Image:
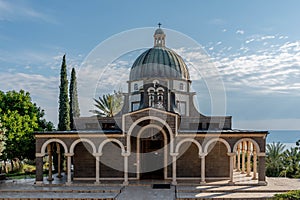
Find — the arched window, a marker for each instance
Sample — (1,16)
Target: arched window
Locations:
(160,98)
(181,86)
(151,97)
(136,87)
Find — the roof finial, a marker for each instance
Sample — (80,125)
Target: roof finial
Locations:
(159,24)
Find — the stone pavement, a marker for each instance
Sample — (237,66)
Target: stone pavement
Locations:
(25,189)
(217,190)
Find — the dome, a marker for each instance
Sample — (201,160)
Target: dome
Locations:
(159,62)
(159,31)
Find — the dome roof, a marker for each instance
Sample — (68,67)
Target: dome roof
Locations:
(159,62)
(159,31)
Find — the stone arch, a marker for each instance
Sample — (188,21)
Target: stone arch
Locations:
(150,118)
(151,126)
(217,140)
(111,140)
(189,140)
(43,149)
(246,139)
(73,145)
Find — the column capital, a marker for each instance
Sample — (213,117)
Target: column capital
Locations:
(202,155)
(39,154)
(261,154)
(69,154)
(97,154)
(125,154)
(231,154)
(174,154)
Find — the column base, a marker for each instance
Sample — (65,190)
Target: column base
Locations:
(243,173)
(50,179)
(125,182)
(230,183)
(59,176)
(97,183)
(263,183)
(248,175)
(254,179)
(203,183)
(174,183)
(69,183)
(38,182)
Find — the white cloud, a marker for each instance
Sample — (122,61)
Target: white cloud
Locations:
(248,41)
(241,32)
(267,37)
(94,81)
(18,10)
(269,68)
(43,90)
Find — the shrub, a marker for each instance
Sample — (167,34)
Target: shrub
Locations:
(293,194)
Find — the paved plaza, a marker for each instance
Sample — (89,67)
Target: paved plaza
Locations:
(25,189)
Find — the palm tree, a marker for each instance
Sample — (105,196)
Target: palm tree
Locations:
(274,160)
(291,163)
(108,105)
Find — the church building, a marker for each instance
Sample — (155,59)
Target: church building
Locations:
(159,134)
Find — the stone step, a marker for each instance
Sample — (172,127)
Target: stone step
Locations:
(230,191)
(55,195)
(224,196)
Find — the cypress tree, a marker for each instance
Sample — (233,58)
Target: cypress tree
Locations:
(64,109)
(74,105)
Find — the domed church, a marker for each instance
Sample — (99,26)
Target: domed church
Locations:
(158,135)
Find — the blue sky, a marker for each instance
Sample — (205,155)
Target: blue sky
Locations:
(254,44)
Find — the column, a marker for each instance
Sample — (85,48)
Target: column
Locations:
(97,159)
(234,162)
(239,157)
(243,157)
(125,154)
(261,168)
(69,157)
(254,164)
(174,176)
(39,168)
(58,160)
(231,156)
(202,156)
(49,149)
(248,159)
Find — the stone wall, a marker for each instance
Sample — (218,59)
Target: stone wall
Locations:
(84,162)
(112,162)
(188,162)
(217,161)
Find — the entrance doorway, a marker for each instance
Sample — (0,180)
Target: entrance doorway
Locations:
(152,155)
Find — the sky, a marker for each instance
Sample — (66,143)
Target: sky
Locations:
(254,45)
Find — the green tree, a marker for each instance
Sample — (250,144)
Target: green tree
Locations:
(108,105)
(2,139)
(274,159)
(291,163)
(20,118)
(64,107)
(74,105)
